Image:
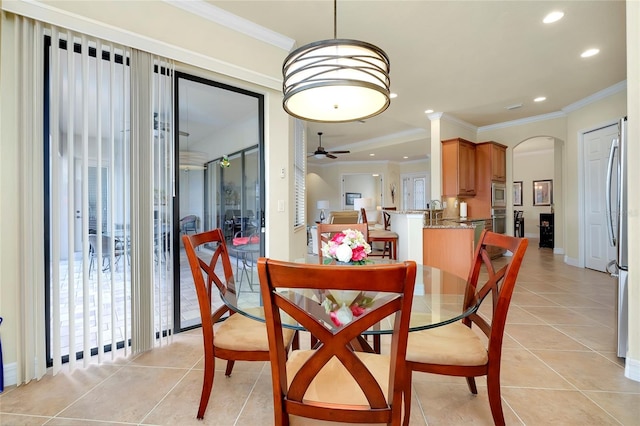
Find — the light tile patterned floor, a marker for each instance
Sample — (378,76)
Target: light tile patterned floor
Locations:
(559,367)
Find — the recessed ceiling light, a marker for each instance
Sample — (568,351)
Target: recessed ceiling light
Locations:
(393,95)
(589,52)
(540,99)
(553,17)
(405,157)
(372,155)
(429,111)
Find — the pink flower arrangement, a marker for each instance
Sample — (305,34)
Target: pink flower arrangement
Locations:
(343,307)
(348,246)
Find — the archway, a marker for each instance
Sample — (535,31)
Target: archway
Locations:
(537,166)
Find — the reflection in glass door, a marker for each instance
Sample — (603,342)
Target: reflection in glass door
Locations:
(216,121)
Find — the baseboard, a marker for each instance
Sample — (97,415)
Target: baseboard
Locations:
(632,369)
(10,372)
(558,250)
(572,262)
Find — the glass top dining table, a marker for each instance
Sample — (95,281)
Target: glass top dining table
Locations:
(438,299)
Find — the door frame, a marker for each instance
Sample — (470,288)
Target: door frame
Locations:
(582,222)
(176,241)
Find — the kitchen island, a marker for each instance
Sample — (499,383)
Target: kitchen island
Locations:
(449,246)
(411,226)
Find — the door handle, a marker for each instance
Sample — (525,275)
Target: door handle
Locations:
(609,215)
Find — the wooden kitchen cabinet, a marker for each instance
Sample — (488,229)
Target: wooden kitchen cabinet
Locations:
(499,162)
(491,161)
(458,168)
(491,167)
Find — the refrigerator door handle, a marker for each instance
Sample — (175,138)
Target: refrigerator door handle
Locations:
(612,151)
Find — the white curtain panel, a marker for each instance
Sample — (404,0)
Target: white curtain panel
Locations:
(28,104)
(109,197)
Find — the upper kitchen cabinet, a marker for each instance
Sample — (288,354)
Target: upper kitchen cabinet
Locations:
(458,168)
(491,161)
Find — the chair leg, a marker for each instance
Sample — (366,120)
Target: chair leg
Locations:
(407,399)
(471,382)
(230,364)
(495,400)
(209,369)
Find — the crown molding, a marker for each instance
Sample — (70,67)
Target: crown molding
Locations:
(393,138)
(604,93)
(233,22)
(48,13)
(520,122)
(452,119)
(612,90)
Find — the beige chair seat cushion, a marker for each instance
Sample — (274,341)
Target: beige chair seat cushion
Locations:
(240,333)
(344,216)
(452,344)
(381,233)
(334,384)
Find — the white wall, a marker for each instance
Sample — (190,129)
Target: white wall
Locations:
(530,166)
(633,114)
(323,182)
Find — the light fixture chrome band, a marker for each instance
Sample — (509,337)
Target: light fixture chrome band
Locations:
(337,80)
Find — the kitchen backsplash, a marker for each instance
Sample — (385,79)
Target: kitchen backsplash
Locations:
(453,207)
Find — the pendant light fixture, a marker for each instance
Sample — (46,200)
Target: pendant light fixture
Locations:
(337,80)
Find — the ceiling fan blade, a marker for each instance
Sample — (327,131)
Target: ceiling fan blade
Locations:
(340,152)
(331,156)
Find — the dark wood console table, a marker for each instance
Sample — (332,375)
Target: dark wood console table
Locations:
(546,230)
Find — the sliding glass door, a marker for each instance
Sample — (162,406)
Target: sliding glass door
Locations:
(220,176)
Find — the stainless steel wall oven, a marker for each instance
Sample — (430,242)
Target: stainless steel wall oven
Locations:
(499,219)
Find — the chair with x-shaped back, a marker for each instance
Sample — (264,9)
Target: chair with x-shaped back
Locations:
(334,381)
(457,350)
(237,338)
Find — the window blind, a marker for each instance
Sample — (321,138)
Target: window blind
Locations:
(300,173)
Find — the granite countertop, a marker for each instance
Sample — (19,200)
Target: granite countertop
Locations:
(406,211)
(448,224)
(466,219)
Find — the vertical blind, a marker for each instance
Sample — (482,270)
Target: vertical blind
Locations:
(105,194)
(300,172)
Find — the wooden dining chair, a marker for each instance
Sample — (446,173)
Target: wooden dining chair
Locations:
(457,350)
(334,382)
(327,230)
(237,338)
(388,238)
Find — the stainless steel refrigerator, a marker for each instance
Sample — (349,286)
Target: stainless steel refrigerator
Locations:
(616,193)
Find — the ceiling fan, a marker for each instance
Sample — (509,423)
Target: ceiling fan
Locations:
(321,152)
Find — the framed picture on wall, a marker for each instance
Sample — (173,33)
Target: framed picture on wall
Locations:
(542,192)
(350,196)
(517,193)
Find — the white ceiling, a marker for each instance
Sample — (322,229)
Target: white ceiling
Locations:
(467,59)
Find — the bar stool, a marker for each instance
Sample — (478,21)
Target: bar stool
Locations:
(518,223)
(389,238)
